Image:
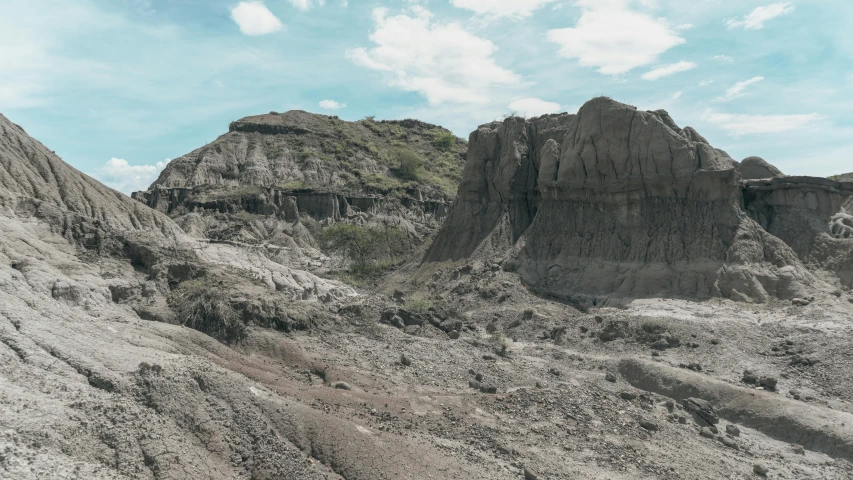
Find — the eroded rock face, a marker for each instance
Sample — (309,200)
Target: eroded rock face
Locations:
(752,168)
(286,166)
(618,202)
(35,182)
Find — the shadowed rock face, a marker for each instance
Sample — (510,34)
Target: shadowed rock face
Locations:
(618,202)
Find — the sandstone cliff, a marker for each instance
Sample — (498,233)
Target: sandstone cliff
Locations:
(616,202)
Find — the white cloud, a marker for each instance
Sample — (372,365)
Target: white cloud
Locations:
(441,61)
(614,38)
(331,105)
(741,124)
(668,70)
(676,95)
(737,89)
(533,107)
(254,19)
(723,58)
(307,4)
(705,83)
(684,26)
(756,18)
(117,173)
(501,8)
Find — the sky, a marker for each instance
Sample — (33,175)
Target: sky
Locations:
(119,87)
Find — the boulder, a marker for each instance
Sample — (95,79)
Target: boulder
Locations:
(702,411)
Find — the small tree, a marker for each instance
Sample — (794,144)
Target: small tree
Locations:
(411,165)
(444,140)
(364,247)
(356,243)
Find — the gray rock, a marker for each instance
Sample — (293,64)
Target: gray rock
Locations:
(751,168)
(728,442)
(648,425)
(529,475)
(491,389)
(760,469)
(610,377)
(567,172)
(702,411)
(732,430)
(342,386)
(769,383)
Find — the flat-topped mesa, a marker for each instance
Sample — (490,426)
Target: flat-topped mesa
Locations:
(282,166)
(615,202)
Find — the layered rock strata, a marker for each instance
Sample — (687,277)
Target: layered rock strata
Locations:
(617,202)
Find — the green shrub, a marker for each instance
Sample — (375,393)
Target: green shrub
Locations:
(410,165)
(444,140)
(417,305)
(364,247)
(201,307)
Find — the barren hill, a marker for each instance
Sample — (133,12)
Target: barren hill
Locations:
(205,338)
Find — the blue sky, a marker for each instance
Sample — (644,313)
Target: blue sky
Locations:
(118,87)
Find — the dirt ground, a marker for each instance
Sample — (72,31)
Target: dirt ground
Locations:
(531,388)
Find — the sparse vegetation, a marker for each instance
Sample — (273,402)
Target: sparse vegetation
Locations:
(500,344)
(410,165)
(366,248)
(291,185)
(418,305)
(201,306)
(444,140)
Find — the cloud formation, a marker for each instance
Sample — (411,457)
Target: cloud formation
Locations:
(756,18)
(614,38)
(331,105)
(668,70)
(533,107)
(441,61)
(255,19)
(305,5)
(740,124)
(737,89)
(501,8)
(117,173)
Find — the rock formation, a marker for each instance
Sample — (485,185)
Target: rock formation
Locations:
(616,202)
(296,164)
(752,168)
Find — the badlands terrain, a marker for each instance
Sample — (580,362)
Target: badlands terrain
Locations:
(599,295)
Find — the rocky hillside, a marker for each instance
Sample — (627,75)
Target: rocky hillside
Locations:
(614,202)
(34,181)
(254,183)
(132,350)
